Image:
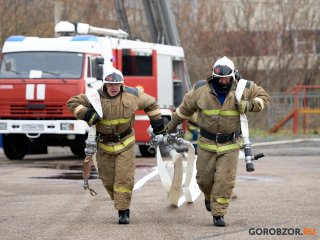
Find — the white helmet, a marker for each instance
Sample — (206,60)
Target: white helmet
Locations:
(113,75)
(223,67)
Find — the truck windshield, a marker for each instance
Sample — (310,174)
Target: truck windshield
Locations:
(41,65)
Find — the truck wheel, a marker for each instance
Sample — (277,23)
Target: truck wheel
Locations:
(78,151)
(144,151)
(15,146)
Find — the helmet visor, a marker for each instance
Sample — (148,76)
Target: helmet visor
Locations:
(222,71)
(113,78)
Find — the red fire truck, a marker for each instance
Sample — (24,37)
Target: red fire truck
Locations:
(38,75)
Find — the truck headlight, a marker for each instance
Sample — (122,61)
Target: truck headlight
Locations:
(3,126)
(67,126)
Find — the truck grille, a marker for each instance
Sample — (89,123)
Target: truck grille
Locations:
(48,110)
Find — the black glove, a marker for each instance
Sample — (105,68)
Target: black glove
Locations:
(158,126)
(237,75)
(91,116)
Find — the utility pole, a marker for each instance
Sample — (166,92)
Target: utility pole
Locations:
(57,13)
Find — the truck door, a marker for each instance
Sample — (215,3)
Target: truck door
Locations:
(139,70)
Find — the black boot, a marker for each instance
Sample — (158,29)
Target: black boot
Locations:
(124,216)
(219,221)
(207,203)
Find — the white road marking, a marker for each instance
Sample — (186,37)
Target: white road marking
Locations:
(139,184)
(286,141)
(145,179)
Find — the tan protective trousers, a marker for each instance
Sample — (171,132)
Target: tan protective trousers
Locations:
(117,175)
(216,174)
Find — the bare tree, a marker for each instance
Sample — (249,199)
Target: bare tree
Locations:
(273,42)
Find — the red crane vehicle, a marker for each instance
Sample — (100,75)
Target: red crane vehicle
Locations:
(38,75)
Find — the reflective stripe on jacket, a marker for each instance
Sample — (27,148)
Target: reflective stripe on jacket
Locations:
(118,114)
(216,118)
(117,147)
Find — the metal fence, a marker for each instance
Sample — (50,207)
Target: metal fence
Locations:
(282,104)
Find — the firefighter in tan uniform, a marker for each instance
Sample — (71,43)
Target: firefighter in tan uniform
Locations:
(115,136)
(220,138)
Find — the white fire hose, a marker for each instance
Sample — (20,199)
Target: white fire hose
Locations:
(91,145)
(179,188)
(245,130)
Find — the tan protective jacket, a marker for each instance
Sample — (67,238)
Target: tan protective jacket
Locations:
(118,114)
(216,118)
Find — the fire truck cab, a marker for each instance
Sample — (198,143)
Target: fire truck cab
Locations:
(38,75)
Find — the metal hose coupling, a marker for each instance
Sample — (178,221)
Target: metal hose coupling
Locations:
(176,138)
(249,157)
(91,147)
(91,144)
(167,140)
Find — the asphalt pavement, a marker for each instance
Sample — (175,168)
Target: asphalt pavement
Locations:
(42,197)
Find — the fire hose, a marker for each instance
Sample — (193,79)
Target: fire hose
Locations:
(90,150)
(91,144)
(249,157)
(182,186)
